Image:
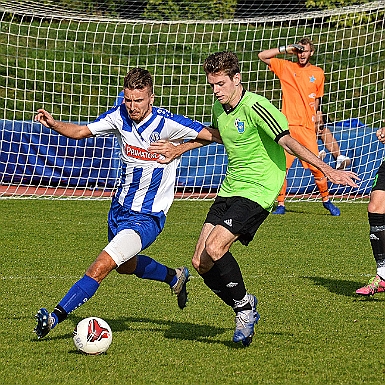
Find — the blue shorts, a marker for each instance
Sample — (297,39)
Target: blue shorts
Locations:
(146,225)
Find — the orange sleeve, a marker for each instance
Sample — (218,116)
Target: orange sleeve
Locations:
(301,86)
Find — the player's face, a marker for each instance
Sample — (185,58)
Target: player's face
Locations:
(304,56)
(138,103)
(226,90)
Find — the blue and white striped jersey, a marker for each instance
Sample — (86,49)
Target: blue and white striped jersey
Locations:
(146,186)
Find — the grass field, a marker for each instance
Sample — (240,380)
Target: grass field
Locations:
(304,268)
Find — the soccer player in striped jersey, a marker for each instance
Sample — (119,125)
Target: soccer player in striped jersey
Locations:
(255,135)
(144,195)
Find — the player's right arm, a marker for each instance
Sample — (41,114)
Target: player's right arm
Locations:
(380,133)
(70,130)
(268,54)
(170,151)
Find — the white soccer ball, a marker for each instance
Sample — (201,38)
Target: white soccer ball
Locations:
(92,335)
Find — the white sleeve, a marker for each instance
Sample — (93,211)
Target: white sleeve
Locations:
(186,129)
(106,123)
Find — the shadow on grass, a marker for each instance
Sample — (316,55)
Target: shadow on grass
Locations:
(169,329)
(174,330)
(341,287)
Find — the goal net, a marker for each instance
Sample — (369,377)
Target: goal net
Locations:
(70,57)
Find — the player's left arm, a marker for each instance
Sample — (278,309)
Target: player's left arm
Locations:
(317,104)
(208,135)
(335,176)
(319,121)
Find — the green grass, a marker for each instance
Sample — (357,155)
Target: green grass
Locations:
(304,268)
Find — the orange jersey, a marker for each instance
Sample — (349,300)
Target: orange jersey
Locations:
(301,86)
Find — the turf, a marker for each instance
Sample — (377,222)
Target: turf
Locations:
(304,268)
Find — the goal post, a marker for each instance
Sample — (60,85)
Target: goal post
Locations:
(73,63)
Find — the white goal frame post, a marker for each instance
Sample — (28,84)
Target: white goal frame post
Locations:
(73,66)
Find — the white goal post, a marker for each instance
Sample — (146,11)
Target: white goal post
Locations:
(73,65)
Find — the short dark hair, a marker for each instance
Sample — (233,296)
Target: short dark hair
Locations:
(226,62)
(138,78)
(305,41)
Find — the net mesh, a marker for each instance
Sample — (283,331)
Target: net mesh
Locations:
(71,57)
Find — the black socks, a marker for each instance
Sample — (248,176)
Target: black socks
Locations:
(225,279)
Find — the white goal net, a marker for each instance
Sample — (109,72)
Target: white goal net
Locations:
(70,57)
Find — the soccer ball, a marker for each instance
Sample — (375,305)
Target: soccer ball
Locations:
(92,335)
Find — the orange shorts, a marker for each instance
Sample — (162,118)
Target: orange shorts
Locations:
(308,138)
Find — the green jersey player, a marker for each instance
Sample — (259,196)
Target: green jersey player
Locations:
(245,131)
(254,134)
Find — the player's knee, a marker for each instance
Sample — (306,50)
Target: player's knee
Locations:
(196,264)
(102,266)
(127,267)
(214,251)
(124,246)
(202,262)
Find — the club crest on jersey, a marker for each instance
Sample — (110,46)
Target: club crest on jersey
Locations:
(240,126)
(155,136)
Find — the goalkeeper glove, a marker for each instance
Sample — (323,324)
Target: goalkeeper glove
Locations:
(291,48)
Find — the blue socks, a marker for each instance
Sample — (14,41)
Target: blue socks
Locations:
(148,268)
(78,294)
(85,288)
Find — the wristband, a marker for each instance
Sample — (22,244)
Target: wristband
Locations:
(282,49)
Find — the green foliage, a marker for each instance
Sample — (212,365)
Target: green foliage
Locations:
(357,19)
(351,19)
(189,10)
(304,270)
(331,4)
(93,7)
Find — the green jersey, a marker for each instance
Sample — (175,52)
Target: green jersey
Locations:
(256,162)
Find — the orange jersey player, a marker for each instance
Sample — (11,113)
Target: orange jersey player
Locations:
(302,86)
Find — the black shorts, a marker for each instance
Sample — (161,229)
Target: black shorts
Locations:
(379,179)
(240,216)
